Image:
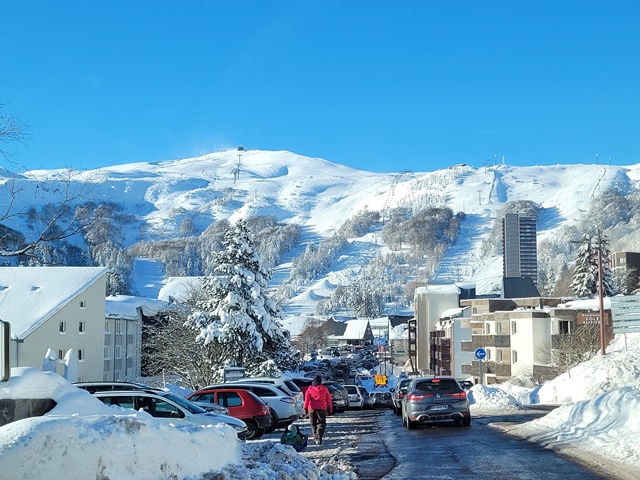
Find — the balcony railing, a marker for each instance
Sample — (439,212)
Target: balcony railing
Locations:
(482,341)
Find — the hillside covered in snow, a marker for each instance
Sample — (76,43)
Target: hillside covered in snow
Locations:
(156,200)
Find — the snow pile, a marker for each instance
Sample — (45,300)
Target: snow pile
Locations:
(83,438)
(602,401)
(605,425)
(488,399)
(620,367)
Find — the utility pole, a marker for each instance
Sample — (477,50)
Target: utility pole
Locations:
(603,339)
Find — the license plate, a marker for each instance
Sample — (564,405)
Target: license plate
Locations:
(439,407)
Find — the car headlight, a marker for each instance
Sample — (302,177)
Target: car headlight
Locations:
(237,428)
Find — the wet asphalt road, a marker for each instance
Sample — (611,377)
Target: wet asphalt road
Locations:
(446,451)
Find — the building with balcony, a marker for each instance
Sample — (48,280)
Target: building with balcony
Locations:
(527,336)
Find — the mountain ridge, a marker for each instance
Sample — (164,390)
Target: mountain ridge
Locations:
(320,195)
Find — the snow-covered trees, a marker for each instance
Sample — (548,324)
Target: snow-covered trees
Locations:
(238,316)
(585,272)
(168,347)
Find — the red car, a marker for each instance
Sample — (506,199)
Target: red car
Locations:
(242,404)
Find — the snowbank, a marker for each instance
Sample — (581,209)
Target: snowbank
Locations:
(605,425)
(488,399)
(83,438)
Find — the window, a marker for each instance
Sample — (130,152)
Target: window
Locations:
(498,328)
(107,327)
(204,397)
(229,399)
(514,328)
(487,329)
(488,357)
(81,326)
(62,327)
(118,327)
(81,355)
(514,356)
(159,408)
(106,352)
(83,304)
(118,351)
(499,355)
(60,355)
(263,392)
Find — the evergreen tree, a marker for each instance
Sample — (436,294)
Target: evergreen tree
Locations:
(585,273)
(238,315)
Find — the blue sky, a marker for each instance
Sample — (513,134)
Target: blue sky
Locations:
(381,86)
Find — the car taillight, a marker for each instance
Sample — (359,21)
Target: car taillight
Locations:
(266,410)
(414,396)
(457,395)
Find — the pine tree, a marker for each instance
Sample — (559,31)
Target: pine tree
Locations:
(238,314)
(585,273)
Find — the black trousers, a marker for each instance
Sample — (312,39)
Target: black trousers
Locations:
(318,420)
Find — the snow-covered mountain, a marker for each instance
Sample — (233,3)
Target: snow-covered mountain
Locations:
(320,195)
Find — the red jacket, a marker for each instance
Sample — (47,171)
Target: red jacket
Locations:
(318,398)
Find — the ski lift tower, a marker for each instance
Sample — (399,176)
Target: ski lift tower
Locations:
(236,171)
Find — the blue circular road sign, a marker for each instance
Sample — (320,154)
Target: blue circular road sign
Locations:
(480,353)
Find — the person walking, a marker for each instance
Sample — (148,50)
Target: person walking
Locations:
(317,404)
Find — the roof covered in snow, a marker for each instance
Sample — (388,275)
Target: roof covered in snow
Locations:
(29,296)
(439,289)
(126,307)
(177,288)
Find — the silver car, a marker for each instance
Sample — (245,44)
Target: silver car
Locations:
(169,407)
(432,399)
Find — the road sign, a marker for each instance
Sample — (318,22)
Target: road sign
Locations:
(625,312)
(380,380)
(480,353)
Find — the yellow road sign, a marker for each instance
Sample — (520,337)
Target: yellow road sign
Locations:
(381,379)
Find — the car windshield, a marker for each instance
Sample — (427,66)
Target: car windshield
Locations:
(186,404)
(436,385)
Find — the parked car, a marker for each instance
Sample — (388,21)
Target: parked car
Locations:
(381,400)
(337,400)
(93,387)
(101,386)
(303,384)
(397,394)
(242,404)
(283,383)
(355,398)
(339,373)
(173,409)
(367,401)
(430,399)
(343,391)
(284,408)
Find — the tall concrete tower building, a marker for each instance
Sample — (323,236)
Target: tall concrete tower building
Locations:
(520,255)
